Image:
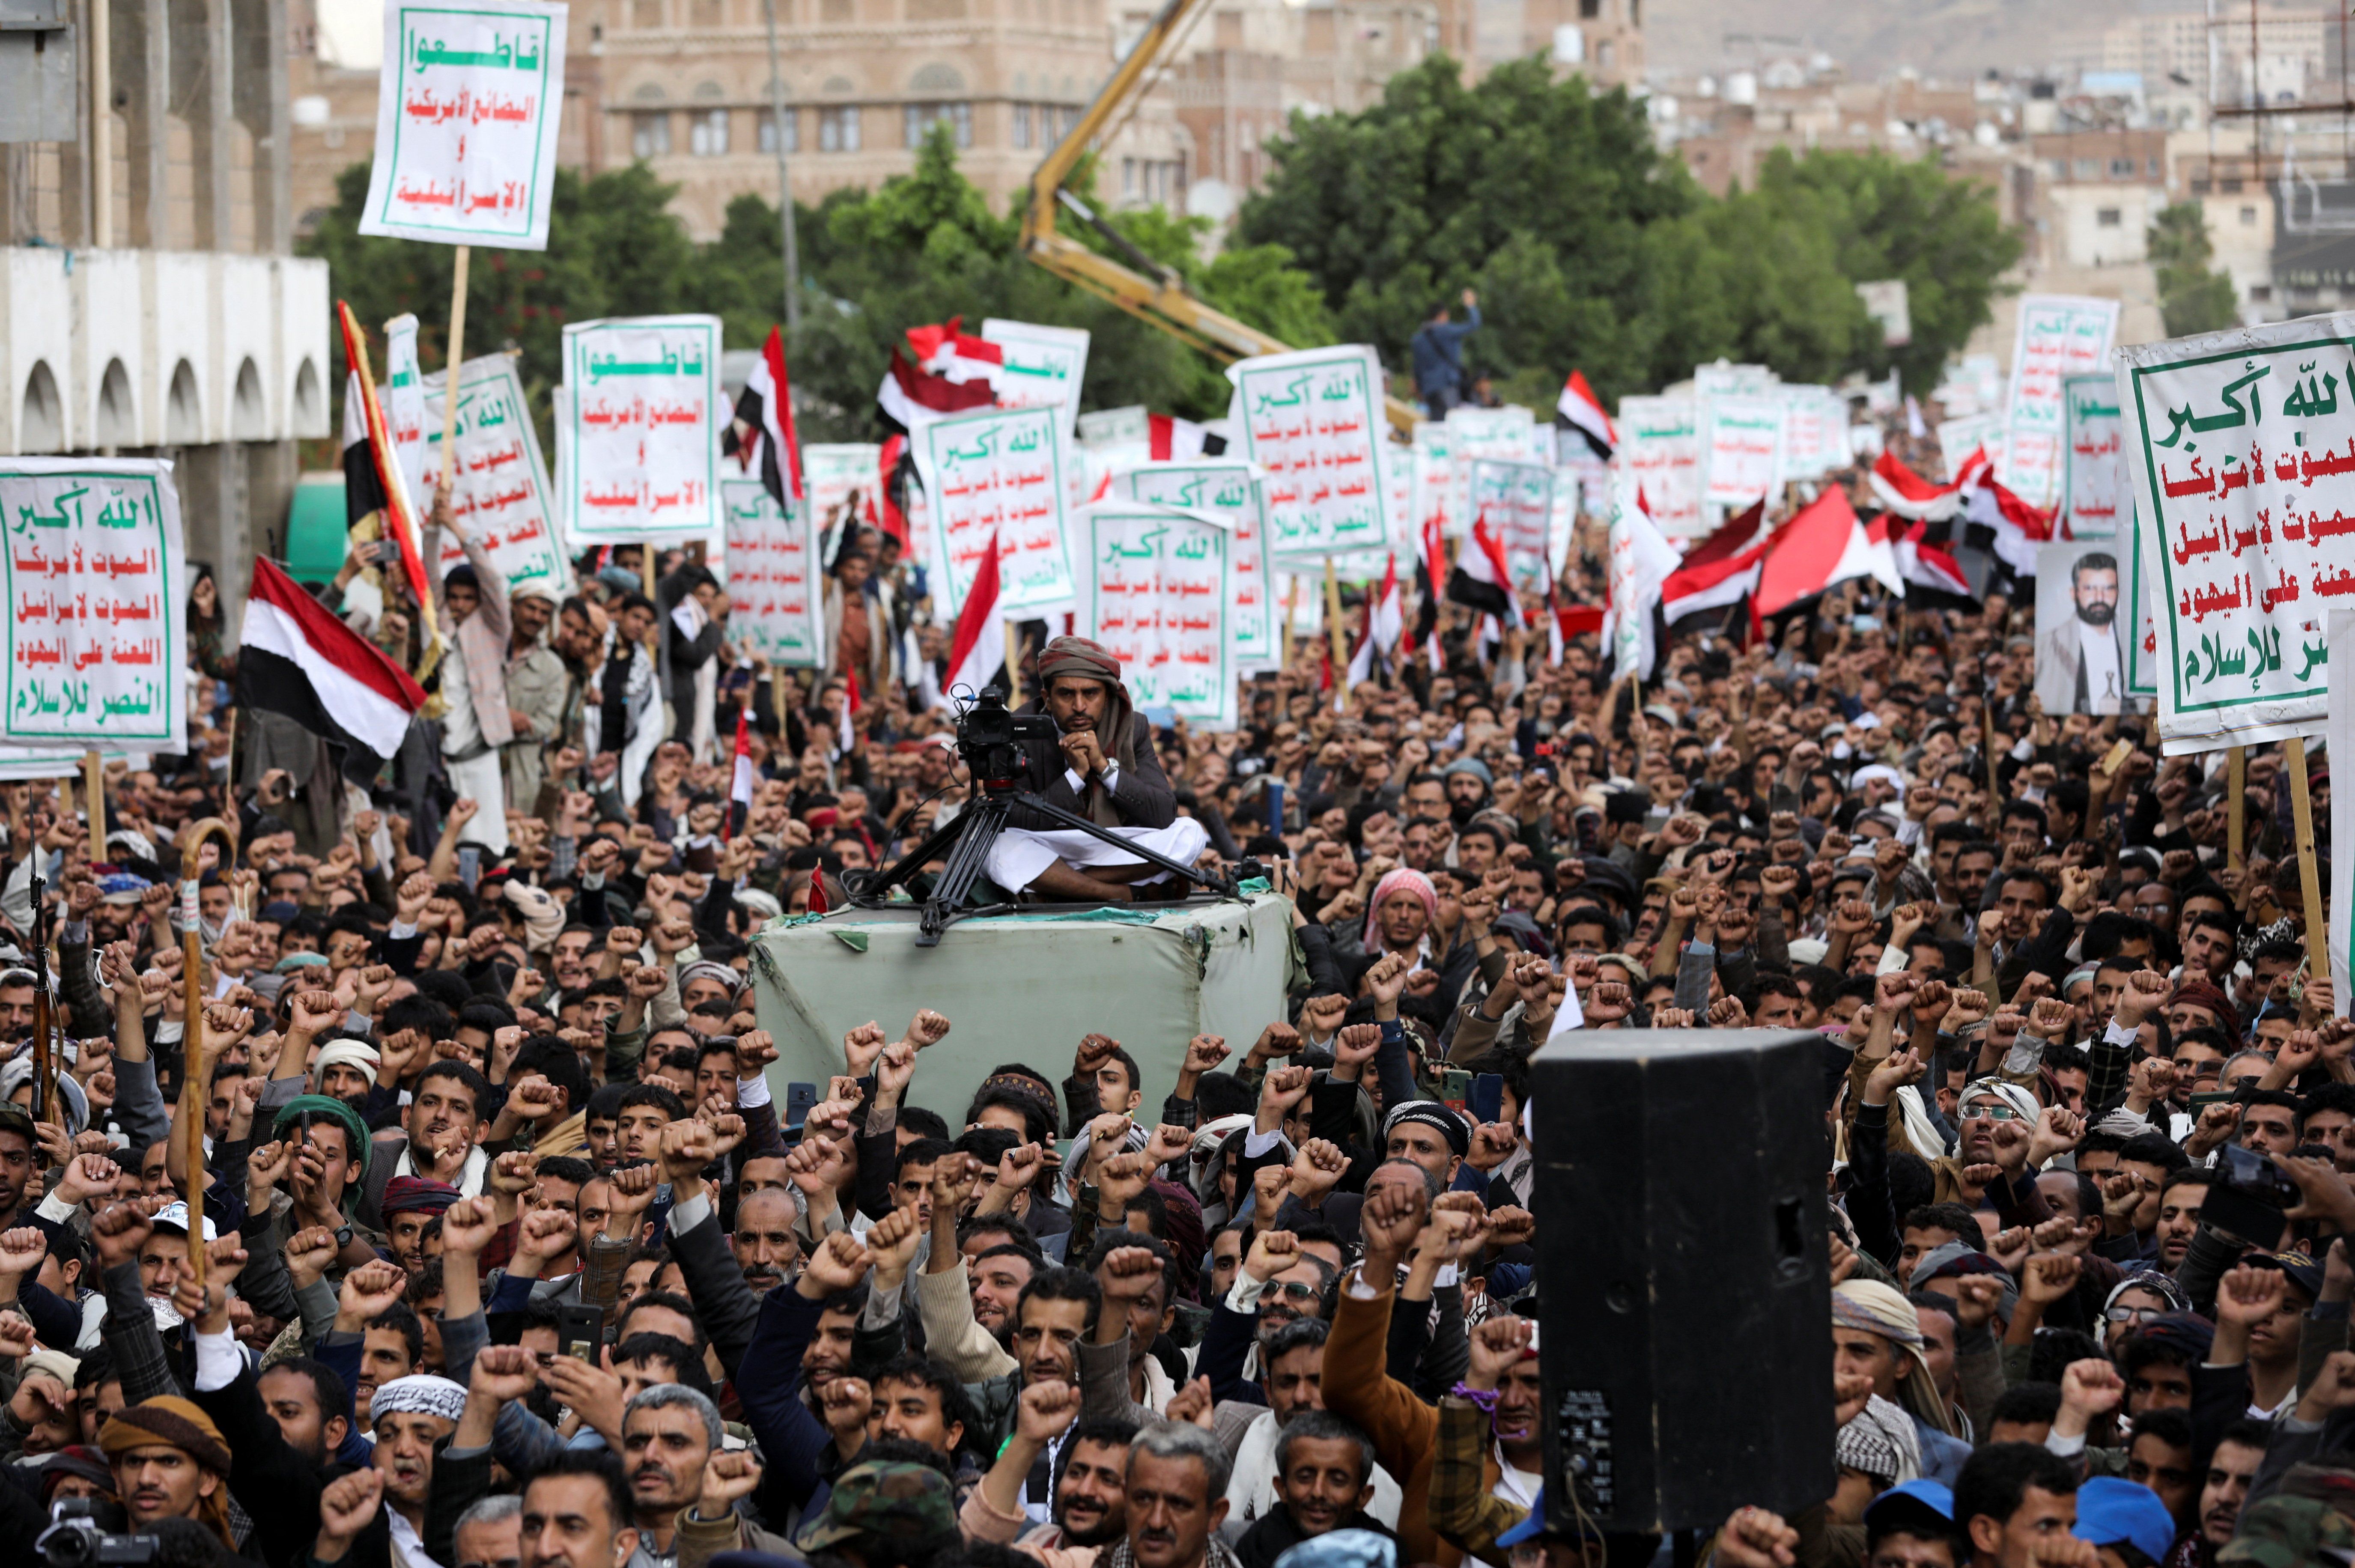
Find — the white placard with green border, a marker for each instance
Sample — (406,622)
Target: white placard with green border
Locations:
(97,650)
(637,438)
(1516,500)
(2093,490)
(2241,445)
(773,576)
(1153,591)
(1043,365)
(1312,421)
(2058,336)
(2338,624)
(997,474)
(1741,447)
(499,492)
(1234,492)
(466,123)
(1659,441)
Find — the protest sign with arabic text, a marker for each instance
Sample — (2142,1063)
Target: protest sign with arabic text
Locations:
(2240,446)
(998,474)
(773,576)
(1153,591)
(499,492)
(1042,367)
(97,650)
(2093,488)
(2058,336)
(1516,499)
(1659,442)
(1741,447)
(1232,491)
(1312,421)
(467,121)
(637,441)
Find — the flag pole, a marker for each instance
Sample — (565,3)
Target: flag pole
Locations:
(93,774)
(2317,952)
(455,357)
(2236,777)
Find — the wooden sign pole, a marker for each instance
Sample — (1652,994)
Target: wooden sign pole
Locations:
(456,358)
(193,1087)
(2310,880)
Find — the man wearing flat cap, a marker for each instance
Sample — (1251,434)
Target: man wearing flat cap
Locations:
(1102,768)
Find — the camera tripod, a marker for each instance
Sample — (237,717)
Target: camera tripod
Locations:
(967,840)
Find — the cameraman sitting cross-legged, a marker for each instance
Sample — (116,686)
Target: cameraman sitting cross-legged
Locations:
(1102,768)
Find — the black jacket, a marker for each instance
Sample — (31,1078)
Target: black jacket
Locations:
(1142,795)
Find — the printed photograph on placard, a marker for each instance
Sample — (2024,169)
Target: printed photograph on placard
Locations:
(2082,629)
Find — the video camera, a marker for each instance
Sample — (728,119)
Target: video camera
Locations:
(989,736)
(79,1538)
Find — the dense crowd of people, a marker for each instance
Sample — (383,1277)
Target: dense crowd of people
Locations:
(509,1258)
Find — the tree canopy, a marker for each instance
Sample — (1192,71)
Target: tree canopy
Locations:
(2192,296)
(1590,248)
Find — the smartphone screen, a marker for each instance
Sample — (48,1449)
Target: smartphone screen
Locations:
(470,866)
(1487,1101)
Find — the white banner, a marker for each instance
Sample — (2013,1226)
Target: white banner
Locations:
(1659,442)
(1434,494)
(2142,650)
(402,397)
(997,473)
(2338,624)
(637,438)
(1154,593)
(2058,336)
(1043,366)
(1236,494)
(1959,438)
(830,472)
(1517,499)
(2240,445)
(2092,492)
(1312,421)
(98,650)
(773,576)
(465,123)
(1742,446)
(499,491)
(1507,434)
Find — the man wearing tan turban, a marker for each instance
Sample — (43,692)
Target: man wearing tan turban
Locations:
(1103,767)
(170,1462)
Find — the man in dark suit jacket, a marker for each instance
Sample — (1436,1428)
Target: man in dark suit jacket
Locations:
(1104,768)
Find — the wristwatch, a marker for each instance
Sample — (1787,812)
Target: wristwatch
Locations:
(342,1236)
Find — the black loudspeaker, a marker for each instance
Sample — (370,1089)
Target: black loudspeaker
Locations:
(1683,1275)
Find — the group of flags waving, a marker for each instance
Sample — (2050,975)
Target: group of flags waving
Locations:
(1766,569)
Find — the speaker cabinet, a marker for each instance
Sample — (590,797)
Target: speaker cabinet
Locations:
(1683,1275)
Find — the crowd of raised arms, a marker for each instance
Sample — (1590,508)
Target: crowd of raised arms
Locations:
(510,1257)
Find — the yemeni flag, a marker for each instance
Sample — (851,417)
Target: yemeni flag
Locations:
(1824,545)
(1932,577)
(762,430)
(300,661)
(889,515)
(911,398)
(373,482)
(1580,410)
(1385,624)
(977,651)
(1908,495)
(947,352)
(1721,569)
(2005,524)
(740,778)
(1480,579)
(1427,579)
(850,706)
(1640,563)
(1175,439)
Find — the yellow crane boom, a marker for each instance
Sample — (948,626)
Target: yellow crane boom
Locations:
(1160,300)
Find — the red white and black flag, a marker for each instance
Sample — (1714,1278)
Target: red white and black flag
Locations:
(762,431)
(1580,410)
(977,650)
(1480,579)
(740,779)
(299,660)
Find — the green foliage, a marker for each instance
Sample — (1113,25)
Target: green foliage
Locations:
(2192,297)
(1590,248)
